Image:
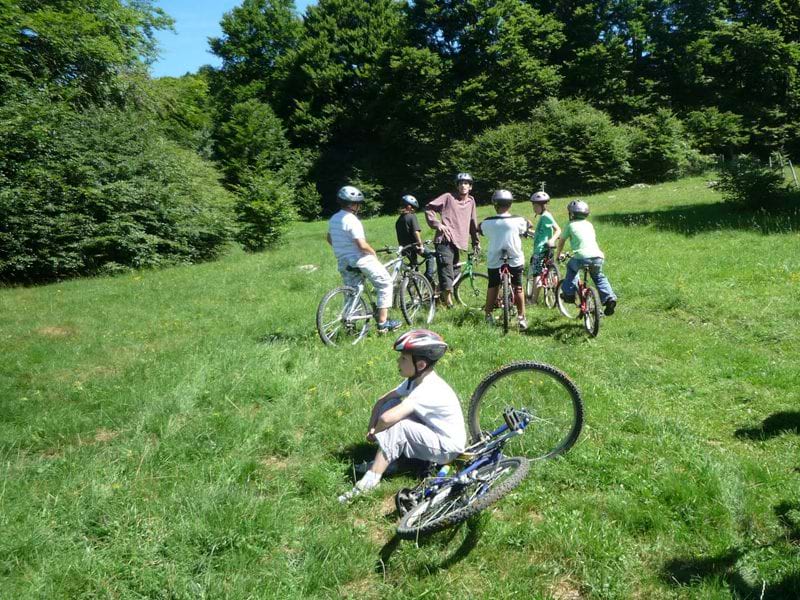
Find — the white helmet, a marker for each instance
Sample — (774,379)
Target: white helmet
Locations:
(464,177)
(349,195)
(541,197)
(578,207)
(502,197)
(409,200)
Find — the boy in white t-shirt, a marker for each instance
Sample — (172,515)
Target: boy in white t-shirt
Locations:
(346,237)
(504,231)
(421,418)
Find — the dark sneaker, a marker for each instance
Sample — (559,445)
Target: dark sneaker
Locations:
(568,299)
(388,325)
(610,306)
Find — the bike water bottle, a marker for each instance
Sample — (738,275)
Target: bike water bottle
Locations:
(443,471)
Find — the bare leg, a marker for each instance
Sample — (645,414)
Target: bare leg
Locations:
(383,314)
(380,464)
(519,300)
(491,300)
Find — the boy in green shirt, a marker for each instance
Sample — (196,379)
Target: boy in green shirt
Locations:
(585,253)
(544,238)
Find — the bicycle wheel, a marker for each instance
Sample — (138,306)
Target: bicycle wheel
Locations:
(548,394)
(470,290)
(530,283)
(416,299)
(460,501)
(591,318)
(568,309)
(341,318)
(505,289)
(550,289)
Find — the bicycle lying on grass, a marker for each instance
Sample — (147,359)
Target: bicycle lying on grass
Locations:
(587,301)
(344,313)
(552,419)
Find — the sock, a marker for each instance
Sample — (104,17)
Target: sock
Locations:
(370,480)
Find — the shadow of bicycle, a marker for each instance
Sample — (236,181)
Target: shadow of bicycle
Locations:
(774,425)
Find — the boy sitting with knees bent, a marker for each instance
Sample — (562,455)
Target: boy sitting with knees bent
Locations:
(419,419)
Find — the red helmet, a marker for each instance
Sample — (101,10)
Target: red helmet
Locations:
(422,343)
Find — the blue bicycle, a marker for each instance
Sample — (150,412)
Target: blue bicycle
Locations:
(484,474)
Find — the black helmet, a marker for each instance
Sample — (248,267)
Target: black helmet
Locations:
(349,195)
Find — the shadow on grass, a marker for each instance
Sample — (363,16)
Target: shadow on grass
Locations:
(774,425)
(563,330)
(438,543)
(692,571)
(284,337)
(693,219)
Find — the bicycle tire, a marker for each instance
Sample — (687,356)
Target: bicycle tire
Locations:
(504,289)
(549,395)
(470,290)
(331,325)
(550,289)
(416,299)
(464,500)
(591,318)
(568,309)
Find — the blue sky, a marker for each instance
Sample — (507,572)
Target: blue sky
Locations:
(195,21)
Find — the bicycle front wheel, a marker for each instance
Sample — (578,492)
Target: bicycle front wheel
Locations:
(550,290)
(591,318)
(459,501)
(470,290)
(342,317)
(568,309)
(416,299)
(546,392)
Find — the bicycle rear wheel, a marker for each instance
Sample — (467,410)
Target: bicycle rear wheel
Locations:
(548,394)
(342,318)
(591,318)
(416,299)
(505,290)
(459,501)
(470,290)
(550,289)
(568,309)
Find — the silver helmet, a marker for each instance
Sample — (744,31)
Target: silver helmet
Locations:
(541,197)
(409,200)
(349,195)
(464,177)
(578,207)
(502,197)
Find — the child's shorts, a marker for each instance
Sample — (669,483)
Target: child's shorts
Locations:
(516,276)
(537,260)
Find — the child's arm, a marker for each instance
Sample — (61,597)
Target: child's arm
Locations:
(378,409)
(556,233)
(560,246)
(392,416)
(365,247)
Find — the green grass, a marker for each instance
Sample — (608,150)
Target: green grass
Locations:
(184,433)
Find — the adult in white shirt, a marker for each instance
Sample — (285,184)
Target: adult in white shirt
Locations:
(421,418)
(349,242)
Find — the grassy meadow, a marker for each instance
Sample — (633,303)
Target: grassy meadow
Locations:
(184,433)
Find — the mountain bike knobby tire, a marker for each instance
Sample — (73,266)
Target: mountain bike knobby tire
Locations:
(551,397)
(470,291)
(591,318)
(332,326)
(505,289)
(417,302)
(459,502)
(550,289)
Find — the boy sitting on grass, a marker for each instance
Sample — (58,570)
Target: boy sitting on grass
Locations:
(585,253)
(419,419)
(503,231)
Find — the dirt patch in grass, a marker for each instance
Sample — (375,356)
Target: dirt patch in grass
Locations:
(359,588)
(566,590)
(102,435)
(56,332)
(275,463)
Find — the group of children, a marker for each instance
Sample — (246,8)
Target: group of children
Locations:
(422,417)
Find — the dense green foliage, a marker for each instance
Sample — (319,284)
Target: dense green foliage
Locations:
(99,167)
(750,183)
(187,435)
(395,92)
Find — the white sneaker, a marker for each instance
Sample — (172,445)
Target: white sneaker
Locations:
(523,324)
(347,496)
(490,320)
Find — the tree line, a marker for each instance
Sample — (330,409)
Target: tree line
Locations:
(103,168)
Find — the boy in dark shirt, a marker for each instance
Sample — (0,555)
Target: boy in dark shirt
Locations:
(407,228)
